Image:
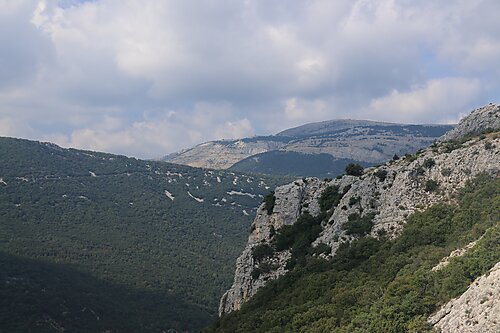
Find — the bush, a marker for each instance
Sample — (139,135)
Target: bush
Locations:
(446,172)
(329,198)
(354,200)
(357,225)
(431,185)
(269,201)
(429,163)
(381,174)
(262,251)
(354,169)
(395,157)
(488,145)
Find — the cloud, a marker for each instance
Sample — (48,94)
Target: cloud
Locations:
(173,73)
(436,101)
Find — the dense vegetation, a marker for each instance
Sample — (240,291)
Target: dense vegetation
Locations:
(101,233)
(382,285)
(293,163)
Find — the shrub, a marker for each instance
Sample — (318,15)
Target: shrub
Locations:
(381,174)
(262,251)
(269,201)
(354,200)
(488,145)
(451,146)
(410,158)
(321,248)
(429,163)
(431,185)
(395,157)
(446,172)
(357,225)
(329,198)
(354,169)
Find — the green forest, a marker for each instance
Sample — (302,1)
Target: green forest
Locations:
(379,285)
(93,242)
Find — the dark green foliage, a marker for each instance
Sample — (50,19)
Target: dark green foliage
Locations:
(354,169)
(262,251)
(382,285)
(321,248)
(354,200)
(359,225)
(429,163)
(299,236)
(431,185)
(290,163)
(488,145)
(269,201)
(120,229)
(330,198)
(381,174)
(451,146)
(40,296)
(446,172)
(410,158)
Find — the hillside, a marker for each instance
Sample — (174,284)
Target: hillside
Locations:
(365,142)
(114,241)
(361,253)
(278,162)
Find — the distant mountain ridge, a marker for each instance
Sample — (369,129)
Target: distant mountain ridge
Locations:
(362,141)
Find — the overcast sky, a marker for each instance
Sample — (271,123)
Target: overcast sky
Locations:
(145,77)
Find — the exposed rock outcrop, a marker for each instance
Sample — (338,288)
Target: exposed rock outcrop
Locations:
(481,119)
(361,140)
(290,200)
(476,310)
(388,194)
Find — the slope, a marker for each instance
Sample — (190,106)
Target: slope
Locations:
(149,227)
(345,140)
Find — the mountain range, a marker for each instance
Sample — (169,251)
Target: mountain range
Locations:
(96,242)
(317,149)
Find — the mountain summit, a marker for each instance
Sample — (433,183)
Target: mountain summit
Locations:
(320,149)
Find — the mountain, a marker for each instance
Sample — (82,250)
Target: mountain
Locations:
(379,251)
(361,141)
(91,242)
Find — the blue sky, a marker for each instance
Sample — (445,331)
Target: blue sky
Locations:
(146,78)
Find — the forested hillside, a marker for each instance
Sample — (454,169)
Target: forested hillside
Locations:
(92,241)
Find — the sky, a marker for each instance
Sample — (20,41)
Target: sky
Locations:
(145,78)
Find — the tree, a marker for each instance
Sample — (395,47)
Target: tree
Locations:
(354,169)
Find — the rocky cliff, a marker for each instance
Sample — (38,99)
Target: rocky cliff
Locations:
(482,119)
(385,196)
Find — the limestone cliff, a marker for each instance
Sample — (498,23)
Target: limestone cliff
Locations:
(386,194)
(481,119)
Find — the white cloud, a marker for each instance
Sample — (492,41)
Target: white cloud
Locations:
(436,101)
(164,74)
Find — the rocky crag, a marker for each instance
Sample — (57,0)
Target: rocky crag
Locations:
(385,195)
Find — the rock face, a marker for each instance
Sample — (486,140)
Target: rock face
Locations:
(290,200)
(222,154)
(360,140)
(486,117)
(387,194)
(476,310)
